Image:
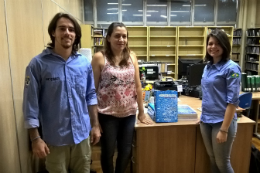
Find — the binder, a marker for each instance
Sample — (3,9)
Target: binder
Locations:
(257,83)
(253,86)
(244,80)
(249,84)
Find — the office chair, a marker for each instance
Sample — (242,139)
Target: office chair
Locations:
(245,100)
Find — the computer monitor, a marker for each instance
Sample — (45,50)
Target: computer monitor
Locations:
(151,71)
(183,65)
(195,72)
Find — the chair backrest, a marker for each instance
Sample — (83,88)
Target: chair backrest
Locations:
(245,100)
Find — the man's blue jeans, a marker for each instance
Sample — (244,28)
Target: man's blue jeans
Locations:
(219,154)
(116,131)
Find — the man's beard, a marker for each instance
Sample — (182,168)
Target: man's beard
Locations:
(67,46)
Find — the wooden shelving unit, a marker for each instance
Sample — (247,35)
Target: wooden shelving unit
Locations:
(191,43)
(87,39)
(252,51)
(236,47)
(168,44)
(98,37)
(227,29)
(138,41)
(162,47)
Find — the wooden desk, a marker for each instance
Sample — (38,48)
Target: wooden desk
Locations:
(255,104)
(178,147)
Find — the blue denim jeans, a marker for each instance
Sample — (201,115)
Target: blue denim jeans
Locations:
(219,154)
(116,131)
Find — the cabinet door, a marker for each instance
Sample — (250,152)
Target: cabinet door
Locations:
(166,149)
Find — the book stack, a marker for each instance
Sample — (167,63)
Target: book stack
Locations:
(185,112)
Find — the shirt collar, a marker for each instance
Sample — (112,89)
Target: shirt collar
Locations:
(49,51)
(218,65)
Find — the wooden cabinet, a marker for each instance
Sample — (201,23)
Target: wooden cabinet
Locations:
(166,149)
(178,147)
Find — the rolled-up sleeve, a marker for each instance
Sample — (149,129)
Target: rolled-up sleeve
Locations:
(91,96)
(233,78)
(30,99)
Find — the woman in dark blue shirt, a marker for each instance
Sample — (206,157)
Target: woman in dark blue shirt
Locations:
(220,97)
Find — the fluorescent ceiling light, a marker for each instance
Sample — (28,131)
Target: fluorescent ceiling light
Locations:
(112,13)
(174,15)
(180,11)
(124,10)
(148,15)
(155,5)
(112,9)
(201,5)
(149,11)
(163,16)
(112,3)
(126,4)
(137,14)
(197,5)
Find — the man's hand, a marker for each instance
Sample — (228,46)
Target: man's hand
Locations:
(95,135)
(144,119)
(40,149)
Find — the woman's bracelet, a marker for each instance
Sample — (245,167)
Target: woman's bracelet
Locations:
(35,138)
(223,131)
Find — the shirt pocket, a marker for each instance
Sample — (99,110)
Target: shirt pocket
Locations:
(204,80)
(81,84)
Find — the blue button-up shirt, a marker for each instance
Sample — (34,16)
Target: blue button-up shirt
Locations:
(56,96)
(220,85)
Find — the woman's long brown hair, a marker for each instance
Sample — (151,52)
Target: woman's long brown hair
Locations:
(108,50)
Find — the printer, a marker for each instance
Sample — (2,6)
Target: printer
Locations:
(166,85)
